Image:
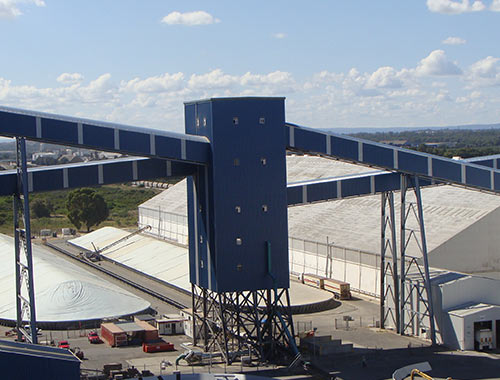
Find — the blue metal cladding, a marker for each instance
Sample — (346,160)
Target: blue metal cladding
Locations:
(94,173)
(310,140)
(21,361)
(135,142)
(477,177)
(14,124)
(166,146)
(412,163)
(354,186)
(387,182)
(447,170)
(98,137)
(378,155)
(496,178)
(57,130)
(321,191)
(239,201)
(102,136)
(344,148)
(294,195)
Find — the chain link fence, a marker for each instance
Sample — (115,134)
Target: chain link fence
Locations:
(164,225)
(359,268)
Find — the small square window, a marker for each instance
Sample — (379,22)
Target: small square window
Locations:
(236,162)
(197,122)
(239,241)
(204,121)
(264,208)
(201,239)
(262,120)
(235,121)
(263,161)
(239,267)
(237,209)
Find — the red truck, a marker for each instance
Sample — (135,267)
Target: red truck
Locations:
(94,337)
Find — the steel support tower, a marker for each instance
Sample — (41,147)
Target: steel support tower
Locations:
(25,292)
(405,297)
(256,323)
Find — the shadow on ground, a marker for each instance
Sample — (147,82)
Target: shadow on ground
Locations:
(369,364)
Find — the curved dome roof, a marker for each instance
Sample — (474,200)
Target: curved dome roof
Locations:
(63,291)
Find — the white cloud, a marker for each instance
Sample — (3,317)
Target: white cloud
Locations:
(384,77)
(70,78)
(495,6)
(386,96)
(155,84)
(189,18)
(455,7)
(454,41)
(279,36)
(215,79)
(484,73)
(9,9)
(436,63)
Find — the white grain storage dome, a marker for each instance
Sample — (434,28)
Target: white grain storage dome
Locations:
(64,293)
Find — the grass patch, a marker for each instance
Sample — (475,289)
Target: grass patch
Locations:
(122,201)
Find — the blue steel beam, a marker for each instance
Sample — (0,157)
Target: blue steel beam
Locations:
(336,188)
(388,157)
(95,173)
(355,185)
(111,137)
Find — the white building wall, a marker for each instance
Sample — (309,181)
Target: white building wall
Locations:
(468,290)
(472,250)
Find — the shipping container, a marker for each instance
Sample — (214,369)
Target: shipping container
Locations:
(157,346)
(150,332)
(341,289)
(113,334)
(313,280)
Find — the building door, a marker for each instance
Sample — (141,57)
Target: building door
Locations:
(478,326)
(173,328)
(497,333)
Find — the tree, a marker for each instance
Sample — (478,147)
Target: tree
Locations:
(41,209)
(86,207)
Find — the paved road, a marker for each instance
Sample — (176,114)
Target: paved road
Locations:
(159,306)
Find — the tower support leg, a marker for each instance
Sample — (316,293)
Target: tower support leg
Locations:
(25,291)
(238,323)
(410,266)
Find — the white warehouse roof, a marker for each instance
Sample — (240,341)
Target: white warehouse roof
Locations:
(63,291)
(459,222)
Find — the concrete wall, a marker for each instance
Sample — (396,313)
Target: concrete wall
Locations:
(473,250)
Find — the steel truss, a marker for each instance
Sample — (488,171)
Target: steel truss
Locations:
(238,323)
(410,291)
(25,291)
(388,268)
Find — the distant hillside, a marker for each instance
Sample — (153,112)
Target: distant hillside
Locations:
(350,131)
(463,141)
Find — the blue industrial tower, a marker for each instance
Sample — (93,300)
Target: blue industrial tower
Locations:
(238,234)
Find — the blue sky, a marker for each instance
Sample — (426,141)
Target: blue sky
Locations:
(339,63)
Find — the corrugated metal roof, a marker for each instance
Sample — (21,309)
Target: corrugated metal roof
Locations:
(473,309)
(355,222)
(37,350)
